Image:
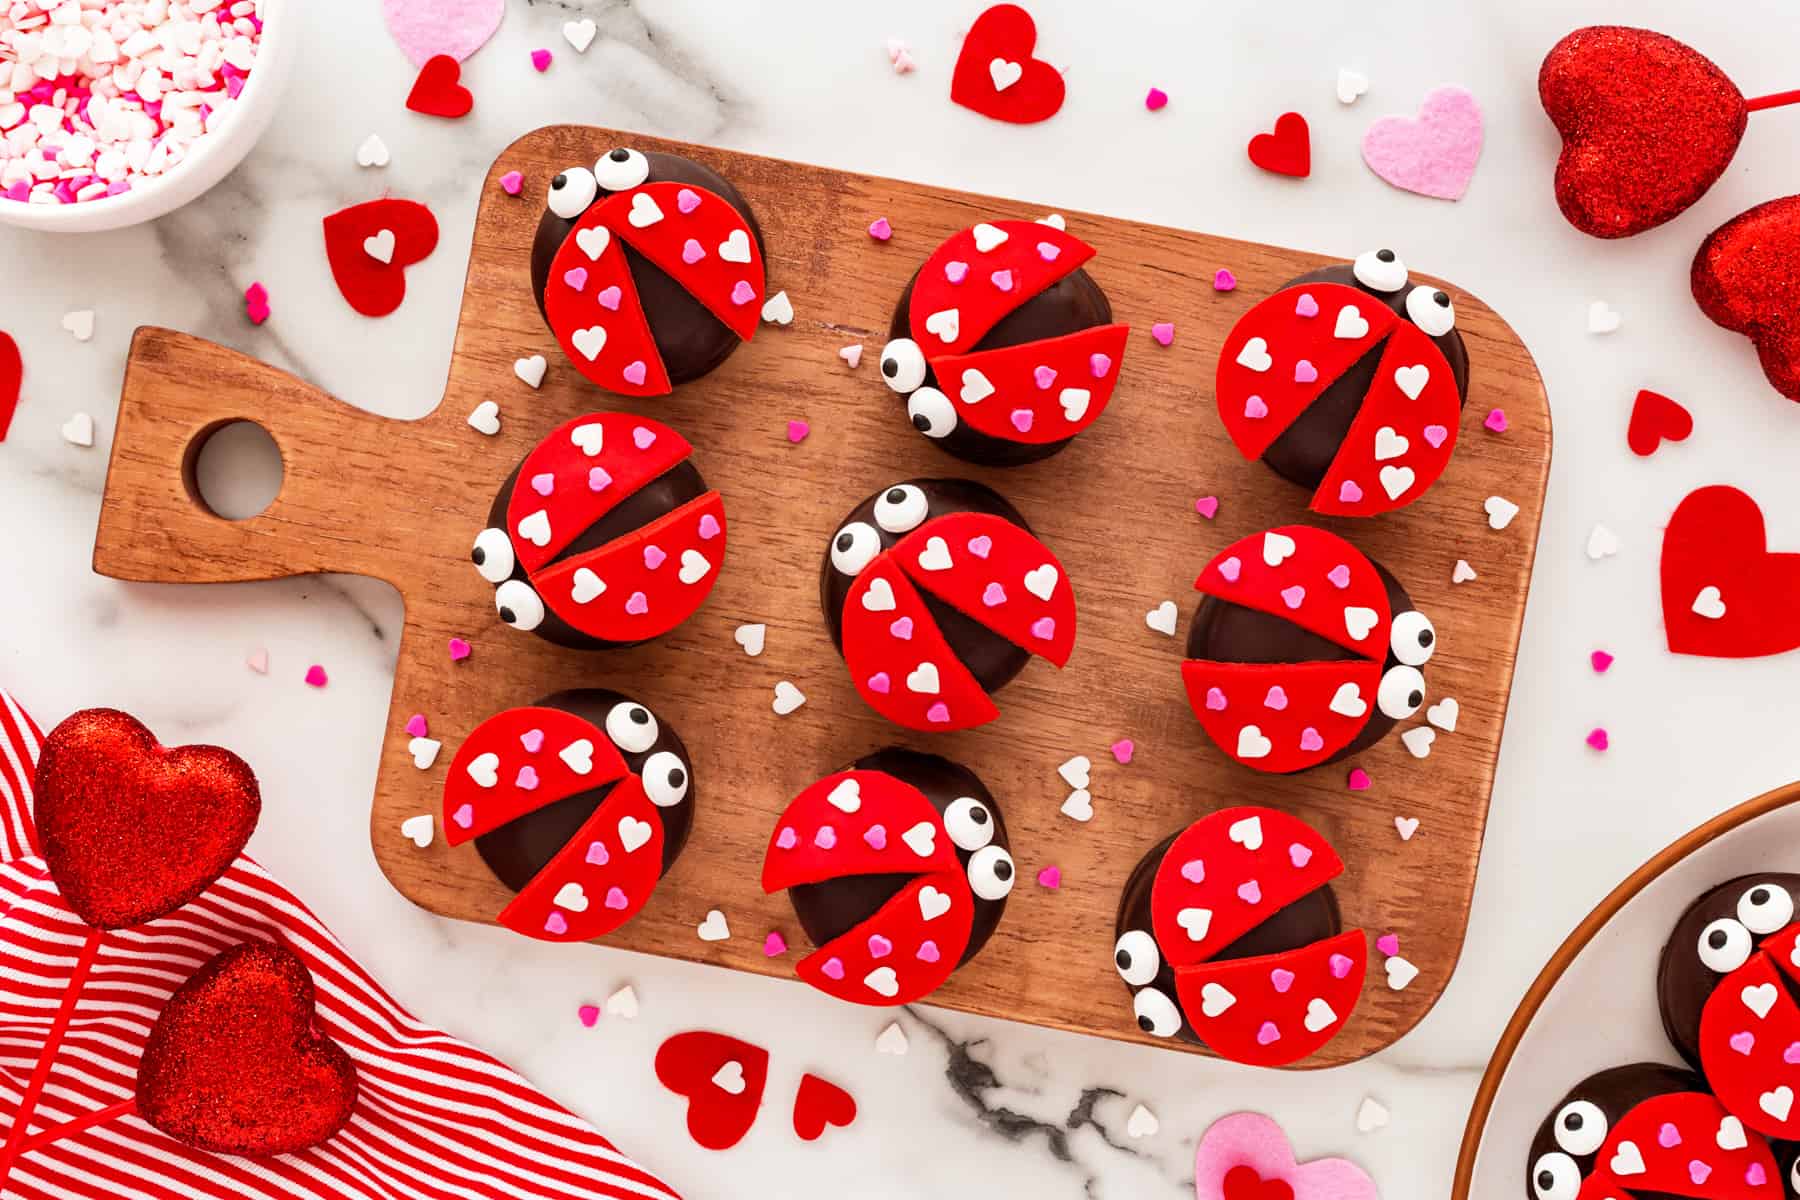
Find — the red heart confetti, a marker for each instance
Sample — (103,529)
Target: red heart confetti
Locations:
(438,91)
(401,232)
(723,1080)
(1724,594)
(1286,151)
(996,75)
(1656,419)
(819,1104)
(12,375)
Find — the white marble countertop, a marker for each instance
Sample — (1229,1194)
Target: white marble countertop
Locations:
(977,1107)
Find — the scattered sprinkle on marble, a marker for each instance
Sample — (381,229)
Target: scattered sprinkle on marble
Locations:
(1602,317)
(1163,332)
(1602,543)
(1142,1123)
(1462,572)
(1371,1115)
(459,649)
(1050,878)
(900,55)
(774,945)
(588,1015)
(797,431)
(256,303)
(1156,99)
(852,355)
(540,60)
(315,676)
(1359,780)
(1122,750)
(880,229)
(258,661)
(580,34)
(373,152)
(891,1040)
(1597,739)
(418,829)
(1496,420)
(1406,827)
(1207,506)
(80,323)
(512,183)
(1600,660)
(623,1003)
(78,430)
(1350,85)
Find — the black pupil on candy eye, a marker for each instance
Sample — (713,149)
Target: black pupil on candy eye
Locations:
(844,542)
(895,496)
(1759,897)
(1385,255)
(978,815)
(921,423)
(1415,698)
(1123,958)
(639,717)
(478,556)
(1717,939)
(677,777)
(1546,1181)
(507,615)
(1572,1122)
(559,181)
(1426,637)
(1003,871)
(890,367)
(1146,1024)
(620,155)
(1441,299)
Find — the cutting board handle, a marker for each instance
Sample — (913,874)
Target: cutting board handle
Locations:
(154,525)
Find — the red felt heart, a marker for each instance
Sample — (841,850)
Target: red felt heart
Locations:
(1724,594)
(1656,419)
(375,288)
(1746,277)
(1648,124)
(1244,1183)
(233,1064)
(723,1081)
(818,1104)
(12,374)
(132,830)
(996,75)
(438,91)
(1288,150)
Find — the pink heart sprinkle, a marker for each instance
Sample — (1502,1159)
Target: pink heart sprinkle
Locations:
(1293,595)
(1388,944)
(825,838)
(638,604)
(902,628)
(634,372)
(1349,492)
(787,839)
(1755,1176)
(459,649)
(464,816)
(1743,1042)
(709,527)
(541,59)
(1268,1033)
(876,836)
(1310,741)
(1306,306)
(654,556)
(1255,409)
(512,183)
(1044,376)
(1597,739)
(588,1015)
(1339,576)
(938,714)
(315,675)
(1340,965)
(774,946)
(692,252)
(1224,280)
(1668,1136)
(599,856)
(256,303)
(554,925)
(994,595)
(416,726)
(527,780)
(1436,435)
(1002,280)
(1359,780)
(1194,871)
(797,431)
(1099,365)
(1048,251)
(1155,99)
(1496,420)
(981,545)
(1230,569)
(1163,332)
(1698,1172)
(1021,419)
(543,483)
(1791,1055)
(1122,750)
(742,292)
(833,969)
(1276,699)
(532,740)
(956,272)
(1305,372)
(1215,699)
(643,437)
(1250,892)
(576,278)
(610,297)
(686,201)
(1207,506)
(1044,628)
(616,898)
(928,951)
(1281,979)
(1050,877)
(1601,660)
(879,683)
(880,230)
(598,479)
(1299,855)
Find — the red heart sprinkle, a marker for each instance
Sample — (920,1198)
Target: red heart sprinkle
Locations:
(1656,419)
(12,375)
(1286,151)
(438,91)
(819,1104)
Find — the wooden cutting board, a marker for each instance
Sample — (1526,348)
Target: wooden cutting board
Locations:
(402,501)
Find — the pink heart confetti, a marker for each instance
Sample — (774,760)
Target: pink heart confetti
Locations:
(981,545)
(1668,1137)
(637,604)
(1224,280)
(1496,420)
(1359,780)
(315,675)
(1277,698)
(1293,595)
(1299,855)
(1388,944)
(1743,1042)
(1044,628)
(1021,419)
(692,251)
(1339,576)
(464,816)
(902,628)
(1349,492)
(1436,435)
(1207,506)
(993,595)
(616,899)
(928,951)
(876,836)
(555,925)
(1306,306)
(654,556)
(825,838)
(709,527)
(1155,99)
(643,437)
(686,201)
(1230,569)
(1600,660)
(938,714)
(460,649)
(1698,1172)
(610,297)
(797,431)
(1215,699)
(1122,750)
(634,372)
(540,59)
(880,684)
(1340,965)
(1756,1176)
(1791,1055)
(598,855)
(1250,892)
(543,483)
(880,229)
(774,946)
(742,292)
(833,968)
(256,303)
(1099,365)
(1048,251)
(1050,877)
(1281,979)
(1002,280)
(598,479)
(1433,154)
(532,740)
(416,725)
(1310,741)
(512,183)
(1255,408)
(1597,738)
(1043,376)
(787,839)
(1268,1033)
(1305,372)
(956,272)
(1163,332)
(1194,871)
(527,780)
(588,1015)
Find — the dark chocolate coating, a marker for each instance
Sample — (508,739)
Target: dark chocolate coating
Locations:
(1312,918)
(1071,304)
(690,339)
(992,659)
(1683,982)
(831,909)
(519,849)
(1615,1092)
(1304,451)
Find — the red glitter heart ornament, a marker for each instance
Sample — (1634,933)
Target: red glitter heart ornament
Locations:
(369,247)
(818,1104)
(1746,277)
(996,74)
(723,1080)
(12,374)
(234,1066)
(1724,594)
(1288,150)
(438,91)
(132,830)
(1656,419)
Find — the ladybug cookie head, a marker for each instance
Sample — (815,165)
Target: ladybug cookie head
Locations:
(606,535)
(898,870)
(1228,934)
(937,593)
(1303,651)
(1003,347)
(578,804)
(648,268)
(1350,382)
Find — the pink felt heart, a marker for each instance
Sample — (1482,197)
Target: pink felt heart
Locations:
(1253,1141)
(424,29)
(1433,154)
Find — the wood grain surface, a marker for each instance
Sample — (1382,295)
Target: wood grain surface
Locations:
(402,501)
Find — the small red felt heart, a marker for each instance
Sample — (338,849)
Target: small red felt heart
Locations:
(723,1080)
(1724,594)
(438,91)
(403,231)
(818,1104)
(233,1065)
(1244,1183)
(1746,277)
(1288,150)
(1656,419)
(132,830)
(996,74)
(12,374)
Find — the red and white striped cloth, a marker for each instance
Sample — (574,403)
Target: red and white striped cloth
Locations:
(435,1119)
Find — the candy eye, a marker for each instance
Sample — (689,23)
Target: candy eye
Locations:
(665,779)
(1794,1177)
(901,508)
(620,169)
(1156,1013)
(1381,270)
(969,823)
(931,413)
(1724,946)
(1580,1127)
(631,727)
(903,365)
(519,606)
(1413,638)
(855,547)
(1431,310)
(571,192)
(1765,908)
(493,555)
(1136,957)
(991,873)
(1555,1177)
(1402,691)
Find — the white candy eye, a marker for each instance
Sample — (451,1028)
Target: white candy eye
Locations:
(1413,638)
(991,873)
(519,606)
(571,192)
(1431,310)
(1555,1177)
(901,508)
(1381,270)
(665,779)
(1794,1177)
(1136,957)
(621,169)
(1580,1127)
(969,823)
(903,365)
(493,555)
(1156,1013)
(1402,691)
(1765,908)
(855,547)
(1724,946)
(631,727)
(931,413)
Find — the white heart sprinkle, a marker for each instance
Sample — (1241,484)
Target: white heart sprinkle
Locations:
(1443,714)
(923,679)
(787,698)
(1396,481)
(1255,355)
(645,213)
(1041,581)
(531,370)
(1247,832)
(1351,324)
(693,567)
(623,1003)
(1418,739)
(1074,402)
(988,236)
(1350,85)
(585,586)
(1602,543)
(1004,73)
(1400,973)
(419,830)
(778,309)
(1320,1017)
(589,439)
(633,833)
(932,903)
(1602,317)
(1759,999)
(1054,221)
(589,342)
(1162,618)
(714,928)
(892,1040)
(935,556)
(883,982)
(593,241)
(846,796)
(975,386)
(1462,572)
(1277,547)
(424,751)
(1358,621)
(946,323)
(879,596)
(1500,511)
(1709,603)
(1079,806)
(1077,772)
(81,322)
(1142,1123)
(373,152)
(1731,1134)
(380,246)
(1214,999)
(736,247)
(1777,1103)
(578,756)
(571,897)
(921,839)
(535,528)
(751,638)
(1406,827)
(730,1077)
(484,769)
(1389,444)
(1627,1160)
(1347,701)
(1196,922)
(852,355)
(78,430)
(579,34)
(1412,380)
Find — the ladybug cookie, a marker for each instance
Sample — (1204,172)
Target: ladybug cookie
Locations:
(1003,346)
(579,804)
(1350,383)
(1229,935)
(898,870)
(937,593)
(1303,651)
(606,535)
(648,268)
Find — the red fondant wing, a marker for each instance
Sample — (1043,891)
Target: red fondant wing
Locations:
(898,659)
(1744,1054)
(903,952)
(1282,717)
(1402,437)
(1691,1159)
(648,582)
(1035,392)
(1717,540)
(998,575)
(980,287)
(696,238)
(1321,583)
(593,309)
(496,777)
(601,878)
(871,818)
(1282,1007)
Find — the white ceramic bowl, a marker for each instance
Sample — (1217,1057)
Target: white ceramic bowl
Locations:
(213,157)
